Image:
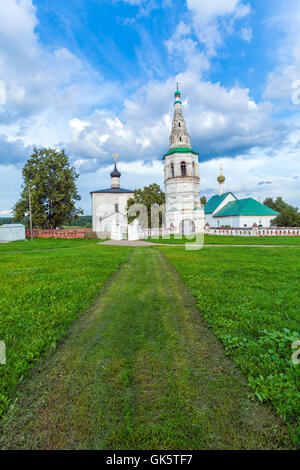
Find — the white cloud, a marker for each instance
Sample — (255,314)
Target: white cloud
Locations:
(246,34)
(44,89)
(212,17)
(286,25)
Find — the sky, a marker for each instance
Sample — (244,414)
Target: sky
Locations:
(97,77)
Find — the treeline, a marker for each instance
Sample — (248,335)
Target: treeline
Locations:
(84,221)
(289,216)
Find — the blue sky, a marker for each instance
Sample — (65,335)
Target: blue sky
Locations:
(98,76)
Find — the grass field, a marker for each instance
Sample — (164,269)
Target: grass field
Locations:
(230,240)
(44,286)
(250,298)
(142,368)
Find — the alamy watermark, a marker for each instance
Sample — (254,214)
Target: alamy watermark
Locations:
(296,94)
(2,353)
(2,93)
(296,354)
(154,223)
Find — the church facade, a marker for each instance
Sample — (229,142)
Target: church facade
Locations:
(109,205)
(184,213)
(226,210)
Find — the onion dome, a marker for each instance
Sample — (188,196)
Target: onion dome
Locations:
(115,173)
(221,179)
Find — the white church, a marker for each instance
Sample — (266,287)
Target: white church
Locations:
(184,211)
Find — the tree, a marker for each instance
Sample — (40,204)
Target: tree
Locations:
(53,190)
(289,216)
(203,200)
(149,196)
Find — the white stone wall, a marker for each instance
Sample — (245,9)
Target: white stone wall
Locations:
(242,221)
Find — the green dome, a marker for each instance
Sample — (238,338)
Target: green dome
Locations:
(177,93)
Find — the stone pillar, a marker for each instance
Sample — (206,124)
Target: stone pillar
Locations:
(116,232)
(134,230)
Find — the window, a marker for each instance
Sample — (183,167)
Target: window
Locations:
(183,168)
(193,164)
(180,139)
(179,125)
(117,207)
(172,170)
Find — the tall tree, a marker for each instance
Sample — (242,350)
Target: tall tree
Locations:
(149,196)
(289,216)
(52,182)
(203,200)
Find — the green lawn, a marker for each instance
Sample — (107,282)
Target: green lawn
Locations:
(140,370)
(250,298)
(230,240)
(44,286)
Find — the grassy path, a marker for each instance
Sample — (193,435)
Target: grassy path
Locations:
(140,370)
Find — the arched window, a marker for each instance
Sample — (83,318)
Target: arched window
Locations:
(193,164)
(172,170)
(179,125)
(180,139)
(183,168)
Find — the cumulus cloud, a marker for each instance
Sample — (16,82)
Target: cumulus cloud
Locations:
(211,18)
(220,122)
(40,83)
(283,82)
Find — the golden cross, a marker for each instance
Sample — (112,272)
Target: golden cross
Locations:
(115,155)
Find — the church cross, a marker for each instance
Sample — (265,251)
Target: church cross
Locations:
(115,155)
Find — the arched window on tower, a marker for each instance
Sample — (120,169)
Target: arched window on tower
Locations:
(180,139)
(179,125)
(193,165)
(172,170)
(183,168)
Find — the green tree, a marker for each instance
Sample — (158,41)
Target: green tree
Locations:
(149,196)
(289,216)
(203,200)
(53,190)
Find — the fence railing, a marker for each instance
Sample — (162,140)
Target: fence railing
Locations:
(255,231)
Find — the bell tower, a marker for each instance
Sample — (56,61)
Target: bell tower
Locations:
(184,213)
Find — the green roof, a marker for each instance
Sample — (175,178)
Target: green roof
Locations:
(214,202)
(180,150)
(177,92)
(245,207)
(178,101)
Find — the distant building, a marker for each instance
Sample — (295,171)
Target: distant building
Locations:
(226,210)
(109,205)
(12,232)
